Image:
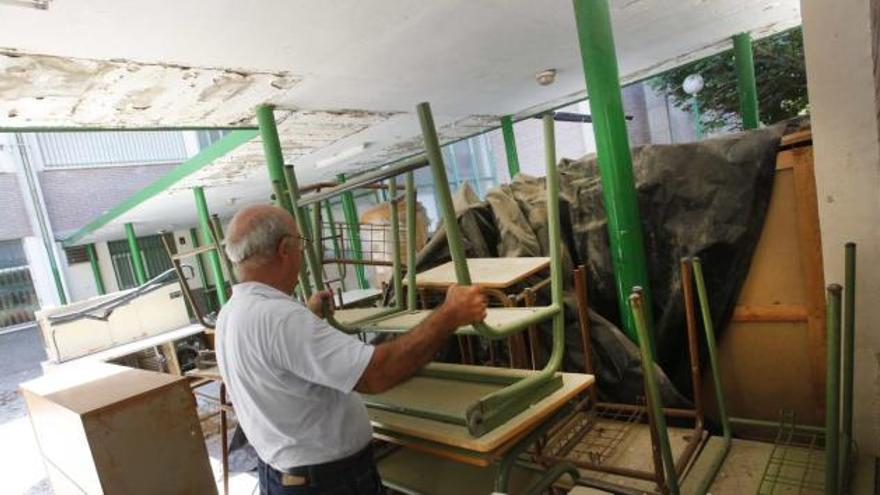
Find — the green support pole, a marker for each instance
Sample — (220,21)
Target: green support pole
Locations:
(213,256)
(200,267)
(849,314)
(349,209)
(137,263)
(411,242)
(96,270)
(615,163)
(832,392)
(745,76)
(272,150)
(510,145)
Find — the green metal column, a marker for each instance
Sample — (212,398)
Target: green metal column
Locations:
(96,270)
(615,163)
(272,150)
(349,209)
(200,267)
(213,256)
(510,145)
(137,262)
(745,76)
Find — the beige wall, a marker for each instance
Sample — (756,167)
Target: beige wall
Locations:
(843,98)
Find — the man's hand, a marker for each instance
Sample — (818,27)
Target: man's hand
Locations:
(464,304)
(319,301)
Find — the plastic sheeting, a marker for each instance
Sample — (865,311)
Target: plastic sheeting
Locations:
(705,199)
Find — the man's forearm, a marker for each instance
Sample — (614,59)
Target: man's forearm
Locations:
(399,359)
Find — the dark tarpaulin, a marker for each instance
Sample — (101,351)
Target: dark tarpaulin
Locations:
(706,199)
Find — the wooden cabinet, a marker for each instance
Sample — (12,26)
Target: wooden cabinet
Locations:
(103,428)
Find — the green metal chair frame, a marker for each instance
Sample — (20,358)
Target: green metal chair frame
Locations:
(517,394)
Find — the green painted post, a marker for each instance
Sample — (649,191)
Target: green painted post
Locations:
(349,209)
(615,163)
(96,270)
(272,150)
(200,266)
(137,263)
(213,256)
(510,145)
(832,391)
(745,76)
(410,242)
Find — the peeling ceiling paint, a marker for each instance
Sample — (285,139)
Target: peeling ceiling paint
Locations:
(47,91)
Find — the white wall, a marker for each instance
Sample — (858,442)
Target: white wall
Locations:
(80,281)
(843,99)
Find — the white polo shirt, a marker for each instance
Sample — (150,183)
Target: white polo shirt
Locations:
(290,376)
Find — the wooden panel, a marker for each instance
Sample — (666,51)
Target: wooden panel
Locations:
(765,368)
(497,440)
(497,273)
(778,312)
(152,445)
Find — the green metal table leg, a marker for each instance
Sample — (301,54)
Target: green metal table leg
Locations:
(96,269)
(349,209)
(832,392)
(411,288)
(137,263)
(337,251)
(652,389)
(396,262)
(712,347)
(207,238)
(745,76)
(849,315)
(612,149)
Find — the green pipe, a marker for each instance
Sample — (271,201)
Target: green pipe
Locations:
(721,404)
(396,262)
(510,145)
(137,263)
(272,149)
(207,238)
(832,391)
(615,163)
(200,267)
(349,209)
(651,388)
(745,76)
(96,270)
(761,423)
(411,303)
(849,314)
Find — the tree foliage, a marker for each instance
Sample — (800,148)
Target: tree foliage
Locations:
(779,73)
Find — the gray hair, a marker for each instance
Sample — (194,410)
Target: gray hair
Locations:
(259,241)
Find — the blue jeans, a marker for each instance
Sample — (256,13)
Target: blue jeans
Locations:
(356,475)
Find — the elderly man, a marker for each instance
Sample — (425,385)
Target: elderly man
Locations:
(291,375)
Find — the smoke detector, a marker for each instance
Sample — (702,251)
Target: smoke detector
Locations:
(546,77)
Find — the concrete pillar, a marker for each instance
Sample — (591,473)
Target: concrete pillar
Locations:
(843,83)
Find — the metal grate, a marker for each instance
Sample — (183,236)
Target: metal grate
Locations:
(76,254)
(376,243)
(593,436)
(797,461)
(155,259)
(18,300)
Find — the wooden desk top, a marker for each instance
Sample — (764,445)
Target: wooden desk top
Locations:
(495,273)
(456,396)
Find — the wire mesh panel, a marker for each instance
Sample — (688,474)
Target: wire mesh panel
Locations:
(593,436)
(797,461)
(376,243)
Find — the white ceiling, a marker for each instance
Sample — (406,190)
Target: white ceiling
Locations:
(342,73)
